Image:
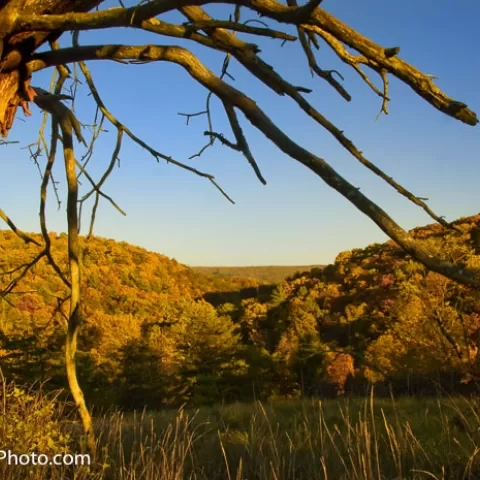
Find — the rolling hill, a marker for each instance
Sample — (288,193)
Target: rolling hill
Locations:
(262,274)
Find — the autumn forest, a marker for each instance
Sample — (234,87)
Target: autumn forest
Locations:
(158,333)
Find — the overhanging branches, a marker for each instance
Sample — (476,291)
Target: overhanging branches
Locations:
(305,16)
(232,97)
(312,24)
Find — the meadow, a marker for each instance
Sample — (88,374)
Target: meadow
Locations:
(350,438)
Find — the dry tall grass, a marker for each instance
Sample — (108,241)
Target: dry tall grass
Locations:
(354,439)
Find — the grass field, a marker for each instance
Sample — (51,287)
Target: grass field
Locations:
(346,439)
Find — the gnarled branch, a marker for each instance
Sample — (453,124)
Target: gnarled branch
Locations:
(262,122)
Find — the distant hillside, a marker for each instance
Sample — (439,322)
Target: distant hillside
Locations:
(262,274)
(115,275)
(382,315)
(158,333)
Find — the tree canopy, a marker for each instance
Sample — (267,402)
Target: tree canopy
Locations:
(158,333)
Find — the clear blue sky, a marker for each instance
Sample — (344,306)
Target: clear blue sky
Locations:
(296,219)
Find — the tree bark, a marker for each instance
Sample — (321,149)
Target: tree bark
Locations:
(16,48)
(14,53)
(63,117)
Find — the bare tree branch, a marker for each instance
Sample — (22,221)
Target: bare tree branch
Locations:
(120,126)
(262,71)
(97,186)
(117,17)
(238,27)
(124,17)
(312,63)
(242,144)
(261,121)
(25,237)
(24,269)
(65,118)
